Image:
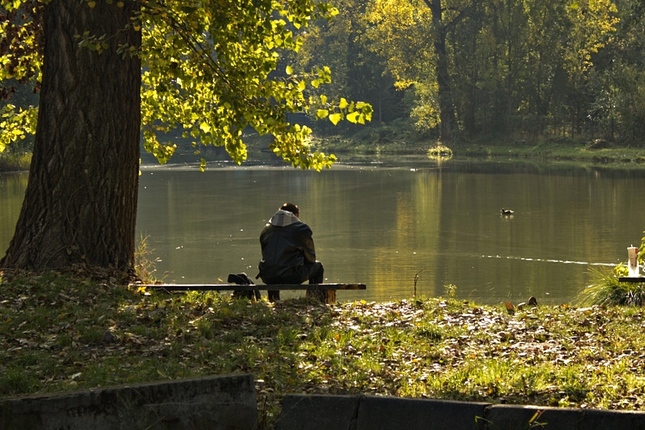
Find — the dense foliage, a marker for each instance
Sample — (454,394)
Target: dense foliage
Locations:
(514,69)
(225,74)
(208,71)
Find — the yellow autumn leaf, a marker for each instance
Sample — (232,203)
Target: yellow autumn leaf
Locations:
(353,117)
(335,118)
(322,113)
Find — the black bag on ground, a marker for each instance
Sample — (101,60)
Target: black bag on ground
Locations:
(243,279)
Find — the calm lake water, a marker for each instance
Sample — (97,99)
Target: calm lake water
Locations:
(385,224)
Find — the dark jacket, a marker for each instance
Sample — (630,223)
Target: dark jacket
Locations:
(287,250)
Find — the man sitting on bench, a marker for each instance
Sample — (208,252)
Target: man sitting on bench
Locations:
(288,253)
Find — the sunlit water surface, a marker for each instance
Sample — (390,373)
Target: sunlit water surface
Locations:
(400,228)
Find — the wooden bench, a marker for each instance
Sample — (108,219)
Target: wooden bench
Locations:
(326,292)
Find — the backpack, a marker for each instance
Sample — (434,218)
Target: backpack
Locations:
(243,279)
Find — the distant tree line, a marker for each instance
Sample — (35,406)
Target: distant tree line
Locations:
(470,69)
(499,69)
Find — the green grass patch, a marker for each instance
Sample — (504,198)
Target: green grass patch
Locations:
(59,334)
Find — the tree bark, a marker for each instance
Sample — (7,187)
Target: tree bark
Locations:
(446,104)
(79,211)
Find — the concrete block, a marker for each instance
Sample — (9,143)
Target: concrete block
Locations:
(513,417)
(604,419)
(221,402)
(415,414)
(318,412)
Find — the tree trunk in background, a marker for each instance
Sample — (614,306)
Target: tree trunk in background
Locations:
(446,104)
(79,211)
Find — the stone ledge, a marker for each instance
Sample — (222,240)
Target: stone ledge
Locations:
(229,402)
(221,402)
(318,412)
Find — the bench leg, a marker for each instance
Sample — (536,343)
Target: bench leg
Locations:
(274,295)
(325,296)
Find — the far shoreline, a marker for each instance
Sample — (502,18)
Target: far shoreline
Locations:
(577,154)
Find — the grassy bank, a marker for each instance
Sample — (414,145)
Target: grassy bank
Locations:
(57,334)
(580,152)
(14,162)
(400,138)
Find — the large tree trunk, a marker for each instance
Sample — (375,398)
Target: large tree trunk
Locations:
(79,211)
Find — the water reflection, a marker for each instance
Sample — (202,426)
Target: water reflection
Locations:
(385,224)
(12,192)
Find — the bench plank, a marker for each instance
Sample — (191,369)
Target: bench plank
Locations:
(242,287)
(324,292)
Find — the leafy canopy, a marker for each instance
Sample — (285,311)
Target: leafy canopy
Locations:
(211,68)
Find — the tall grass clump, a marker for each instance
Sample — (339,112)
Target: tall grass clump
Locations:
(144,264)
(606,288)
